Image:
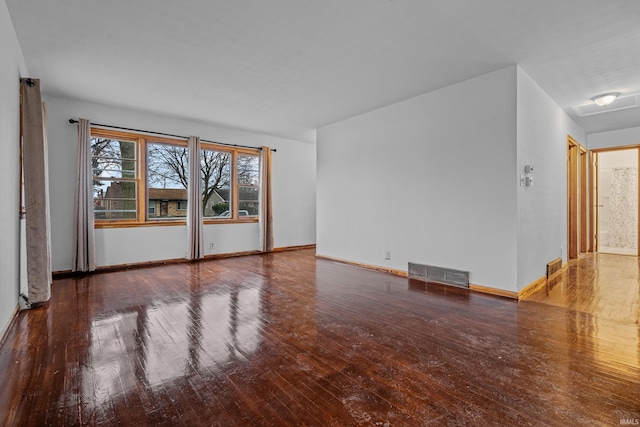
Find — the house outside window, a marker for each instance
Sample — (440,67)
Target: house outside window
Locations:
(167,178)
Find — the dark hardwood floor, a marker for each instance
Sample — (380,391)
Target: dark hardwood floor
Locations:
(288,340)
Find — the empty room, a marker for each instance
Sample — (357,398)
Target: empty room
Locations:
(319,213)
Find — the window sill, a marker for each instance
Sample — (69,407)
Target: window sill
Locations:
(230,221)
(172,222)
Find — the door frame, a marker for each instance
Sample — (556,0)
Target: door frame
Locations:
(594,195)
(583,225)
(594,189)
(576,207)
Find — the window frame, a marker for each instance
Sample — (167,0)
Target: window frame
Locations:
(141,179)
(139,163)
(151,140)
(237,198)
(234,193)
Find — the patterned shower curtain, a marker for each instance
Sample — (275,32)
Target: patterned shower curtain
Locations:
(623,208)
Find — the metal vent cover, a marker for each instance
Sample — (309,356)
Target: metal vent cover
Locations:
(432,273)
(417,271)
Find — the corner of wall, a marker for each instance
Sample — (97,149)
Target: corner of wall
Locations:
(542,129)
(12,67)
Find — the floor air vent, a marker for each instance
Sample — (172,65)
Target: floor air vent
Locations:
(430,273)
(553,267)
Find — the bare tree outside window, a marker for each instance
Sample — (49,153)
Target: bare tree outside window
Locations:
(215,177)
(248,184)
(117,173)
(168,168)
(167,165)
(113,163)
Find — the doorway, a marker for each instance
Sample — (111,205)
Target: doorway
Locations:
(617,201)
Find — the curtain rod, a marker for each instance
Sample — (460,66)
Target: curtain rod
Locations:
(74,121)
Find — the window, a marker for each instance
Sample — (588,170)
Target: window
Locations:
(215,175)
(139,179)
(115,184)
(167,178)
(248,185)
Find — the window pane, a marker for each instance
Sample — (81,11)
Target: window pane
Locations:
(112,158)
(215,173)
(167,178)
(113,200)
(248,185)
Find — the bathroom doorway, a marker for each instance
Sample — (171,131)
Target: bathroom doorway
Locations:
(617,201)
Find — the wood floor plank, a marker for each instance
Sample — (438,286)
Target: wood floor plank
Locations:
(290,340)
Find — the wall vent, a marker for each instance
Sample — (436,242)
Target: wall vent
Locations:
(554,267)
(430,273)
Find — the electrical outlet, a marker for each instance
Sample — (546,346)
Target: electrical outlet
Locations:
(211,245)
(387,254)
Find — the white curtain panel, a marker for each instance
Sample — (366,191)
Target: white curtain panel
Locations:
(623,208)
(83,256)
(195,231)
(36,192)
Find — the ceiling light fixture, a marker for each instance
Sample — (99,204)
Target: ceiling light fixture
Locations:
(605,99)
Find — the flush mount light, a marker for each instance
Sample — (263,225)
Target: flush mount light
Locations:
(605,98)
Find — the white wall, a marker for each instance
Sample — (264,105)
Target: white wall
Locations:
(614,138)
(293,189)
(432,179)
(12,67)
(542,208)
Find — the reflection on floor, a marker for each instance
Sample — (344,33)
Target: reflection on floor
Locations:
(290,340)
(603,285)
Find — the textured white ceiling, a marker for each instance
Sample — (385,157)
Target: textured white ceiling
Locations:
(286,67)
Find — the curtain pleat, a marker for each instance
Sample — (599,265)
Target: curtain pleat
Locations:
(195,232)
(265,241)
(36,192)
(83,257)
